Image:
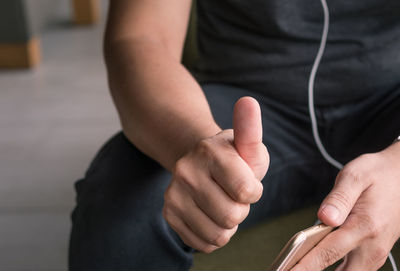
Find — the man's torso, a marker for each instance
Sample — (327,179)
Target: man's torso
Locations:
(269,46)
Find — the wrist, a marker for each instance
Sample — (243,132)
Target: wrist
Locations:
(190,139)
(204,132)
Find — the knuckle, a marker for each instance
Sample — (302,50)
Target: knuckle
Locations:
(182,175)
(208,249)
(222,238)
(379,254)
(374,230)
(205,147)
(179,169)
(369,226)
(233,218)
(352,172)
(328,256)
(171,203)
(244,192)
(341,197)
(361,171)
(230,221)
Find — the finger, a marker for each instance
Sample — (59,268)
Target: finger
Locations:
(201,225)
(332,248)
(340,201)
(209,196)
(187,235)
(224,211)
(236,178)
(247,126)
(174,206)
(215,202)
(206,229)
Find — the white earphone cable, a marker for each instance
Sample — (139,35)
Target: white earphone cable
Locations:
(311,106)
(311,81)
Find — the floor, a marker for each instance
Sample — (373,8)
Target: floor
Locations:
(52,121)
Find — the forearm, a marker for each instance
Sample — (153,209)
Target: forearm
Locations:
(163,110)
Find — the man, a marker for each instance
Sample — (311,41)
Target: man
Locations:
(179,178)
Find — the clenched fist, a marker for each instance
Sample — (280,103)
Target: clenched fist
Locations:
(214,184)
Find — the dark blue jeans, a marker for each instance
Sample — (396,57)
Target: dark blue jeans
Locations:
(118,225)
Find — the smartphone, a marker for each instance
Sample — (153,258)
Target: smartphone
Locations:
(298,246)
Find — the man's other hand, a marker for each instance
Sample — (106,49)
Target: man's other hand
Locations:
(365,204)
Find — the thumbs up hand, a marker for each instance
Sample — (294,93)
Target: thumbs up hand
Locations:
(214,184)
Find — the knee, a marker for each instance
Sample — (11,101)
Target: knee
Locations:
(119,157)
(119,203)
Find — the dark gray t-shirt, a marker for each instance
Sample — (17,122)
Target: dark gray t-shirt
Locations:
(269,46)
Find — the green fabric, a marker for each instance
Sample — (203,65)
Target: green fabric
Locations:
(256,248)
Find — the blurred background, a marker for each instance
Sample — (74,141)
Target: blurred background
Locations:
(55,112)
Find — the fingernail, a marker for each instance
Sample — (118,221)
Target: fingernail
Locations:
(331,211)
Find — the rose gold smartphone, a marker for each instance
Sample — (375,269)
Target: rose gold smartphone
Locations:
(297,247)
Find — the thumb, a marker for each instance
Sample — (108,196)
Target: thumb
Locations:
(340,201)
(247,127)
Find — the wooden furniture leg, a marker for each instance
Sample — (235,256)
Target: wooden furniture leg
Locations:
(86,11)
(20,54)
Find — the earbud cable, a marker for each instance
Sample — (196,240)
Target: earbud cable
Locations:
(311,106)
